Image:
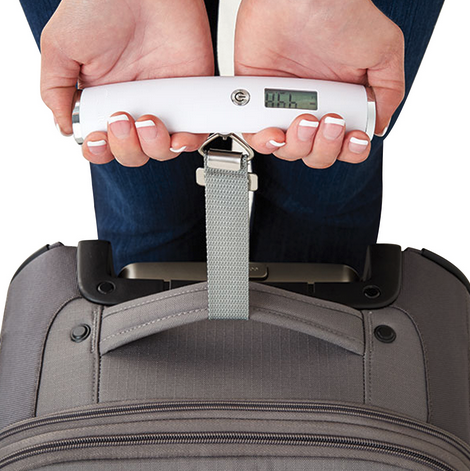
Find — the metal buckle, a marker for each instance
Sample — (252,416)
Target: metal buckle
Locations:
(226,159)
(249,151)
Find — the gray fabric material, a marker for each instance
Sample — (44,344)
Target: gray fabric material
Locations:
(439,305)
(365,429)
(334,323)
(69,374)
(233,360)
(35,296)
(227,239)
(191,358)
(184,429)
(229,464)
(293,347)
(133,320)
(395,373)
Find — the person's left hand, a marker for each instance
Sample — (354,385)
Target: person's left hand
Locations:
(352,42)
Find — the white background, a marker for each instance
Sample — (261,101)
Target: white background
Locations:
(45,189)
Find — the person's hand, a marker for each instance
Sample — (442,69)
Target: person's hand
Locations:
(96,42)
(348,41)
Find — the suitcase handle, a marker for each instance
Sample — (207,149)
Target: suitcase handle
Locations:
(337,325)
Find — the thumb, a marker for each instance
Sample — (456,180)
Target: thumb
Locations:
(59,76)
(388,83)
(387,101)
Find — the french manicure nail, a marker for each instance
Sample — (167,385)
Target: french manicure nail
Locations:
(120,126)
(60,130)
(306,129)
(275,144)
(382,134)
(97,147)
(333,128)
(147,130)
(177,151)
(358,146)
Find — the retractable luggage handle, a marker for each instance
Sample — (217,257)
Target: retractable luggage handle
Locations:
(378,287)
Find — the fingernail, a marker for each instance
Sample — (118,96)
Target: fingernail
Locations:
(382,134)
(358,146)
(333,127)
(60,130)
(177,151)
(120,126)
(306,129)
(147,130)
(272,144)
(97,147)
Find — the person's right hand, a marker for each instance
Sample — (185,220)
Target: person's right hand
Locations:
(96,42)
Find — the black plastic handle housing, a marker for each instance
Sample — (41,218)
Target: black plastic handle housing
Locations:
(378,287)
(98,282)
(380,283)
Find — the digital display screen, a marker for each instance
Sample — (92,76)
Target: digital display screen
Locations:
(296,99)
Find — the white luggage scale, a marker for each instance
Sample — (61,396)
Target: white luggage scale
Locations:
(223,106)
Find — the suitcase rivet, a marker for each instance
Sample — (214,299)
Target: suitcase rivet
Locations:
(371,292)
(80,333)
(385,334)
(106,287)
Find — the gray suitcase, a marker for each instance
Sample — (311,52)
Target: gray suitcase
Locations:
(331,372)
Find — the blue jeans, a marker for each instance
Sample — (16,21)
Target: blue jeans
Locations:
(156,212)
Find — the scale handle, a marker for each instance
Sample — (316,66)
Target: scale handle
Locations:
(224,104)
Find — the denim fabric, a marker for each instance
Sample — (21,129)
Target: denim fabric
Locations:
(156,212)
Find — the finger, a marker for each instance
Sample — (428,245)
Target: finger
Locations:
(299,138)
(59,76)
(95,148)
(156,142)
(328,142)
(356,147)
(124,142)
(267,141)
(186,142)
(154,138)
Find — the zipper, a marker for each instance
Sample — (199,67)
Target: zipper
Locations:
(226,438)
(242,406)
(255,438)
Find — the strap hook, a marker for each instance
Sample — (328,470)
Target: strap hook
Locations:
(248,150)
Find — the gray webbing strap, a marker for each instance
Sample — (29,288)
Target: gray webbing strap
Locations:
(227,181)
(227,238)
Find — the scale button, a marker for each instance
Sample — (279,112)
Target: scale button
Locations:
(240,97)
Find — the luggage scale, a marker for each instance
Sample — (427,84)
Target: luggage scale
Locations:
(223,106)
